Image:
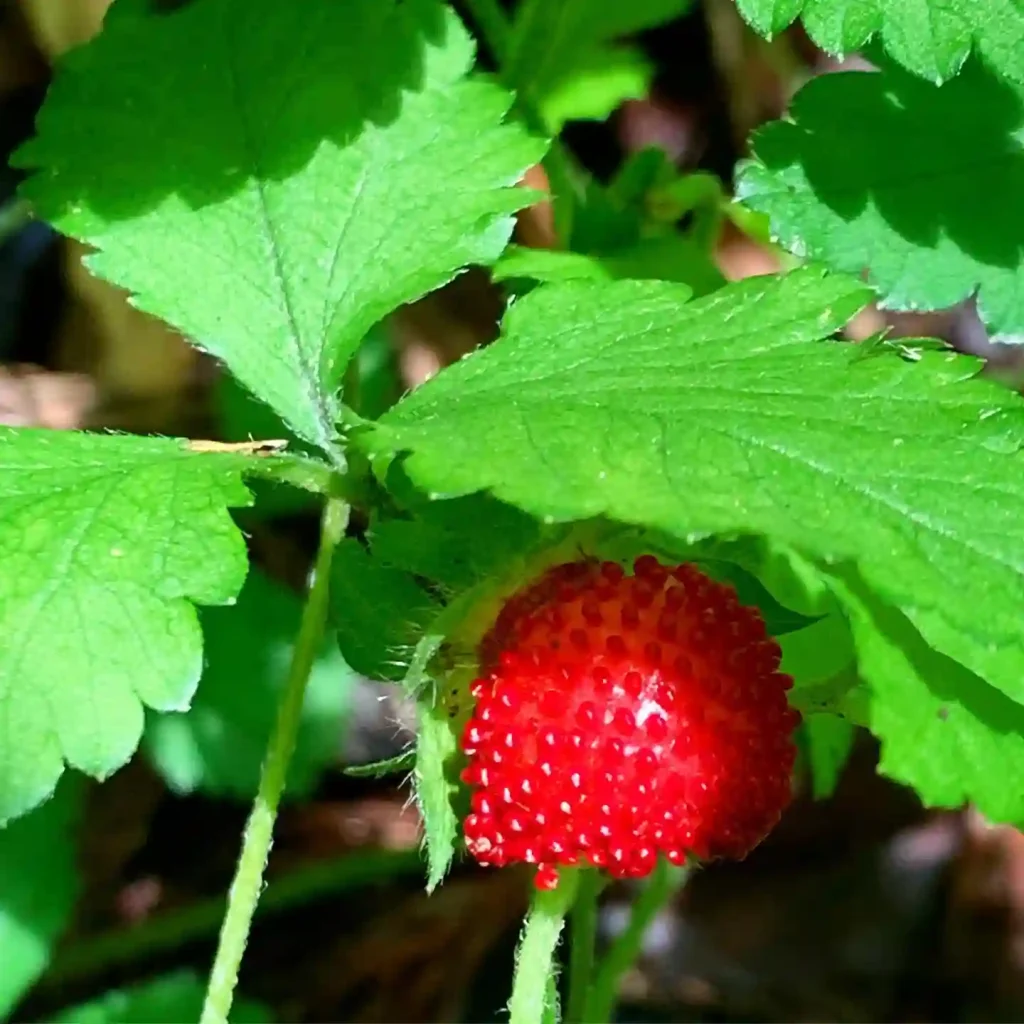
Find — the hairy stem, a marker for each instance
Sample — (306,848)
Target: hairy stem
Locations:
(663,884)
(248,882)
(535,966)
(584,932)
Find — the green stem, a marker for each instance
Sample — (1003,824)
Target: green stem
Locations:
(248,882)
(535,966)
(663,884)
(584,933)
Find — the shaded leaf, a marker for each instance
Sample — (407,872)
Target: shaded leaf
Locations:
(883,172)
(456,543)
(943,730)
(379,612)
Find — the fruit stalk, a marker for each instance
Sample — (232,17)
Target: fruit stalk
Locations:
(664,882)
(535,958)
(583,937)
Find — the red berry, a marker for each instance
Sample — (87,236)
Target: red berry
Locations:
(621,717)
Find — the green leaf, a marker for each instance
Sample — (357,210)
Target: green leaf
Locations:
(38,887)
(105,544)
(549,266)
(829,740)
(670,257)
(550,33)
(287,175)
(379,612)
(561,58)
(243,417)
(929,37)
(217,747)
(728,416)
(879,170)
(170,999)
(456,543)
(609,19)
(943,730)
(595,85)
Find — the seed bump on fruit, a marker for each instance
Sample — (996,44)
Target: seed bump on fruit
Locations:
(621,717)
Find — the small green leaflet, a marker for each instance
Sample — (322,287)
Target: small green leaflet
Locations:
(436,745)
(828,740)
(105,543)
(882,171)
(629,229)
(944,730)
(38,886)
(287,174)
(379,612)
(549,265)
(566,56)
(595,85)
(929,37)
(166,1000)
(668,257)
(455,543)
(730,415)
(218,745)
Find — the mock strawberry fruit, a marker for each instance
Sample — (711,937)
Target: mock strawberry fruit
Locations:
(619,717)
